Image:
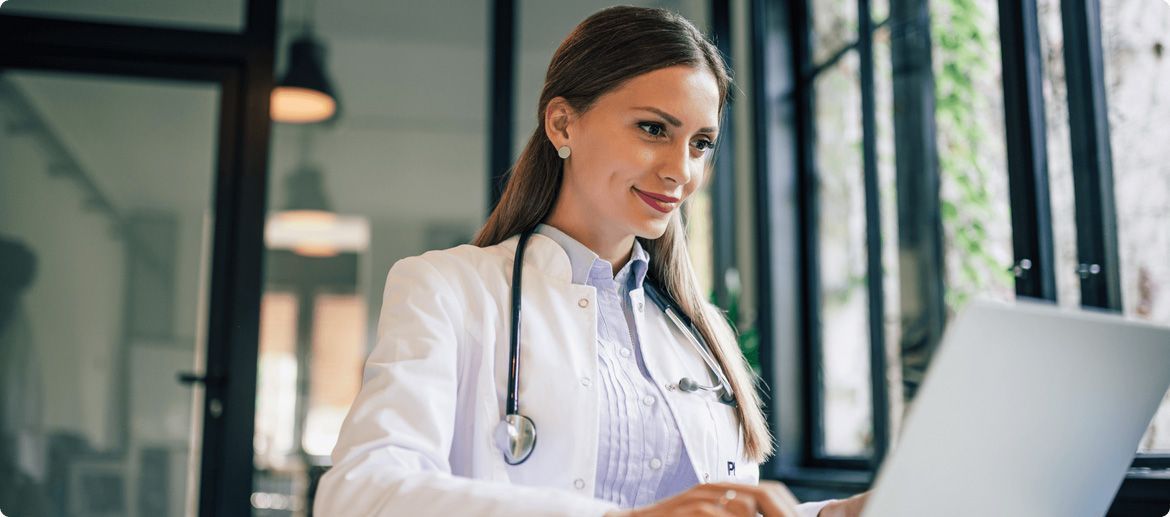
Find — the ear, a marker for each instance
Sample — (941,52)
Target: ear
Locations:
(559,117)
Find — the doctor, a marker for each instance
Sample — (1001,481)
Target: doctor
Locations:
(567,363)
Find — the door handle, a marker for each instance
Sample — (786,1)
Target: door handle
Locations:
(214,404)
(192,378)
(189,378)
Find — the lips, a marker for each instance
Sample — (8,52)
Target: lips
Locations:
(658,202)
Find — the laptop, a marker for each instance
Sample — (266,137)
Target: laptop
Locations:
(1027,409)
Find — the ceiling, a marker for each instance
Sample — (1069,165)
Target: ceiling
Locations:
(412,79)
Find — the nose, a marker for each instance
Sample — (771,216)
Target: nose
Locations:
(676,166)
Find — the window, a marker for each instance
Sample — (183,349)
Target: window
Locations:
(848,206)
(1003,194)
(276,380)
(969,115)
(335,372)
(1137,66)
(1060,169)
(842,254)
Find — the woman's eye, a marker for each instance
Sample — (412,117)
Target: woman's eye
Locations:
(652,128)
(704,144)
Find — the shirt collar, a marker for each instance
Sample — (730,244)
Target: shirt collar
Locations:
(587,266)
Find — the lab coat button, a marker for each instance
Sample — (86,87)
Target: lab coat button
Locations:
(625,352)
(586,382)
(639,306)
(579,483)
(583,303)
(649,400)
(655,463)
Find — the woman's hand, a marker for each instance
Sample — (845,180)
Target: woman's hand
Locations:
(770,498)
(846,507)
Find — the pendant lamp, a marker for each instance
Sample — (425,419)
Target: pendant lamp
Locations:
(305,94)
(306,223)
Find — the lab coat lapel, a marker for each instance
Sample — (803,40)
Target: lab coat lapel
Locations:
(660,350)
(706,425)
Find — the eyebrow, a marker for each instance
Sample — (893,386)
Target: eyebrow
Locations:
(674,121)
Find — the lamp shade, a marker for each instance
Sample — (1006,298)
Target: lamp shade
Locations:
(304,94)
(305,191)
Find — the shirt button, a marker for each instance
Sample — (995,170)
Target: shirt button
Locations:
(625,352)
(586,382)
(649,400)
(579,483)
(655,463)
(583,303)
(639,306)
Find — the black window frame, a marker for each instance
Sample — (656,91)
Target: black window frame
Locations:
(793,18)
(786,209)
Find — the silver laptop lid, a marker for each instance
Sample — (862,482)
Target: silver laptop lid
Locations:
(1026,410)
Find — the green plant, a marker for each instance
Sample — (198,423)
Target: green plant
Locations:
(962,50)
(749,337)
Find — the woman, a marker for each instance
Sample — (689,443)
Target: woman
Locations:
(628,119)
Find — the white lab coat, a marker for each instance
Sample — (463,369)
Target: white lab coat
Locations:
(418,439)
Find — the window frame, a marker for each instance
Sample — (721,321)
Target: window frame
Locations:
(782,73)
(801,91)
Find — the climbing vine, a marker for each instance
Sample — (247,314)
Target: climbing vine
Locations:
(964,45)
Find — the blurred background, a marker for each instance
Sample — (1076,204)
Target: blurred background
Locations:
(199,203)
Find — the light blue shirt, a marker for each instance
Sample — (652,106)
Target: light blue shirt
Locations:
(640,455)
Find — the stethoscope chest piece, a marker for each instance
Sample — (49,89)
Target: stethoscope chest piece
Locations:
(515,435)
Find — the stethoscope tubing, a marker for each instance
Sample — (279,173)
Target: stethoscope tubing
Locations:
(512,405)
(517,433)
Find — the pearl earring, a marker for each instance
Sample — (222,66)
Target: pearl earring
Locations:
(564,152)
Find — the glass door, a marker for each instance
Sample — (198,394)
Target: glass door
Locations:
(106,212)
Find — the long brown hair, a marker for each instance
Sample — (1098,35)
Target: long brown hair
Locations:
(602,53)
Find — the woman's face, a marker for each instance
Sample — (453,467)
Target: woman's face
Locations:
(639,151)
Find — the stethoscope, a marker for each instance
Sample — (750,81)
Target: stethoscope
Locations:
(515,435)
